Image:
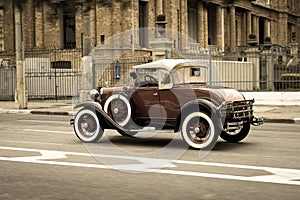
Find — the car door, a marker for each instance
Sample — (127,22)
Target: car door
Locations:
(145,96)
(167,95)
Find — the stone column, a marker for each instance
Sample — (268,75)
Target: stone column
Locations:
(243,39)
(282,28)
(93,26)
(205,24)
(267,54)
(254,25)
(253,56)
(159,7)
(266,28)
(184,24)
(249,25)
(86,82)
(232,29)
(201,35)
(219,27)
(295,53)
(239,30)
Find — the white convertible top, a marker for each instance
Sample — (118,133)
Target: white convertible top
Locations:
(170,64)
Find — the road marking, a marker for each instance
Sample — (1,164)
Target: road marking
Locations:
(46,131)
(42,121)
(279,175)
(35,143)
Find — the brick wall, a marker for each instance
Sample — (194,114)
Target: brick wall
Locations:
(43,25)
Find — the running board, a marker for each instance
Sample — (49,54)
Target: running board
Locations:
(145,129)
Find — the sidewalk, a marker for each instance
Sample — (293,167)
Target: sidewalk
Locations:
(60,107)
(270,113)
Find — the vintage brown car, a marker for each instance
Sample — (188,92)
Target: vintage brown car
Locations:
(168,94)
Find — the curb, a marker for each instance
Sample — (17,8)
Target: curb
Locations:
(14,111)
(283,121)
(297,120)
(36,112)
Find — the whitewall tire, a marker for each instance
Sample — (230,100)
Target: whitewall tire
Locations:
(87,126)
(199,130)
(119,108)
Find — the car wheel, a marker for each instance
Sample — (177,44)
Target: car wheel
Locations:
(119,108)
(236,135)
(87,126)
(199,130)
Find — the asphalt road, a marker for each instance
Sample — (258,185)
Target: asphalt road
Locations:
(41,158)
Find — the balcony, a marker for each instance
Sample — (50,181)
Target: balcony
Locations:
(264,3)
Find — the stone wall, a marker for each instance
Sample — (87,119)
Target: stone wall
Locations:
(216,19)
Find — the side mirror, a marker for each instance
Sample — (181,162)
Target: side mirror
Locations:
(133,75)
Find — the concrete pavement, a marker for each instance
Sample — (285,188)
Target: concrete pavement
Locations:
(60,107)
(270,113)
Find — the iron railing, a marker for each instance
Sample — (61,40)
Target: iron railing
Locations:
(7,82)
(50,73)
(53,73)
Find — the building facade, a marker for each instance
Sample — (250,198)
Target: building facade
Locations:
(219,24)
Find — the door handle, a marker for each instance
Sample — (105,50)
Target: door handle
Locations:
(155,94)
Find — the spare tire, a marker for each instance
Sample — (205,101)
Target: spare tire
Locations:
(119,108)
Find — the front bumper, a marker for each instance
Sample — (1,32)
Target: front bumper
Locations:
(237,111)
(256,121)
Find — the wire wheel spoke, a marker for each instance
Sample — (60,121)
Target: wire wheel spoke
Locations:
(198,129)
(87,125)
(118,110)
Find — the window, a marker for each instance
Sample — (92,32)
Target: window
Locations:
(195,71)
(69,29)
(147,77)
(164,79)
(61,64)
(143,23)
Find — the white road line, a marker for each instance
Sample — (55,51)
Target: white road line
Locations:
(42,121)
(32,142)
(279,175)
(47,131)
(235,166)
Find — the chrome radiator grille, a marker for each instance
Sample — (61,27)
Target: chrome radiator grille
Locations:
(239,109)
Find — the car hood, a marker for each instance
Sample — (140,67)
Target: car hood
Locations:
(226,94)
(218,94)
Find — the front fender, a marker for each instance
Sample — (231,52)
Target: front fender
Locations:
(200,105)
(89,104)
(108,121)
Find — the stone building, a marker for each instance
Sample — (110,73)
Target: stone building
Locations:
(218,24)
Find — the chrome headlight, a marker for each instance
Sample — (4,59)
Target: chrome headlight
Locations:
(94,94)
(101,91)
